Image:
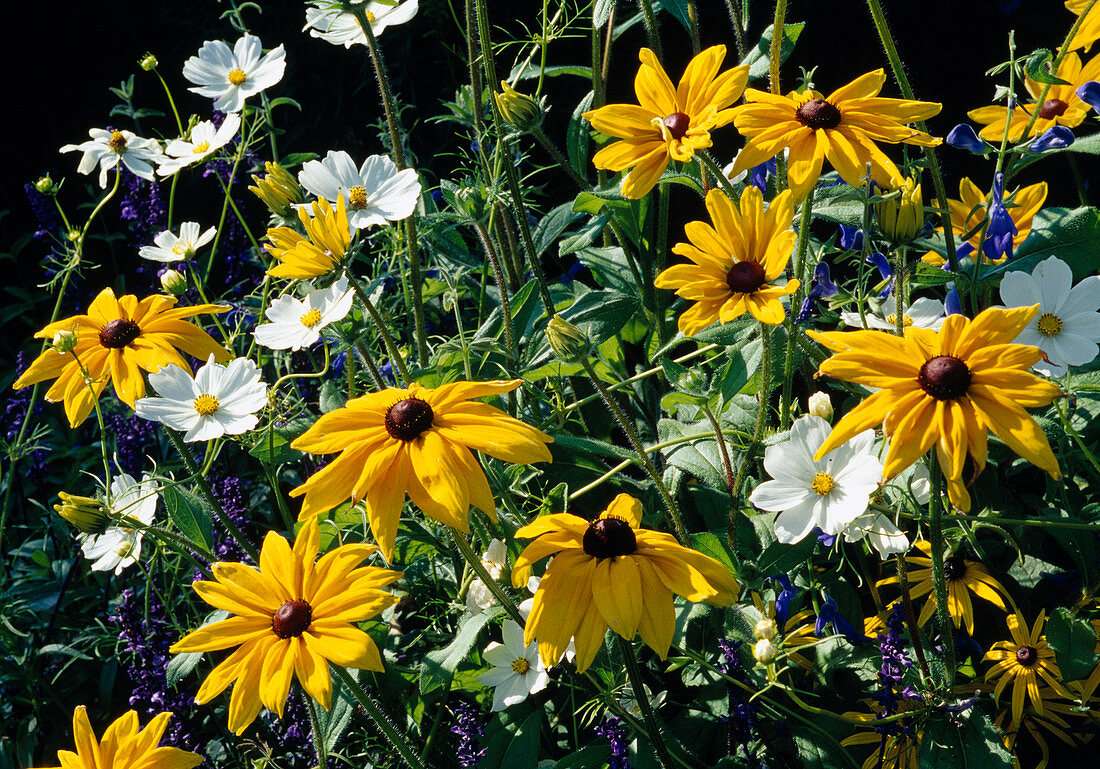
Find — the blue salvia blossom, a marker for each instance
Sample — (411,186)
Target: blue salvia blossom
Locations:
(851,238)
(614,732)
(829,616)
(1089,93)
(742,721)
(821,287)
(1054,138)
(468,729)
(885,271)
(963,137)
(1001,229)
(47,222)
(142,208)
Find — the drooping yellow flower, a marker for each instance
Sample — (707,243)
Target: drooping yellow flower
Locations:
(945,389)
(327,240)
(668,122)
(841,127)
(124,745)
(1053,720)
(902,217)
(897,749)
(417,441)
(968,215)
(610,573)
(294,615)
(117,340)
(735,261)
(1062,106)
(1089,31)
(1023,661)
(963,576)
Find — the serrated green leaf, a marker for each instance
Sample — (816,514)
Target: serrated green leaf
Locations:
(190,514)
(1038,68)
(1072,640)
(332,396)
(439,665)
(759,57)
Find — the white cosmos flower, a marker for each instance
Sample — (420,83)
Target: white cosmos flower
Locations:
(1067,327)
(205,140)
(328,20)
(495,560)
(297,323)
(880,532)
(119,547)
(176,248)
(517,671)
(923,313)
(107,148)
(231,76)
(220,400)
(375,193)
(830,493)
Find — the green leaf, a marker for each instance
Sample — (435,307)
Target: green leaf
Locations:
(715,546)
(553,225)
(779,558)
(512,743)
(522,72)
(585,236)
(332,396)
(593,755)
(1072,639)
(190,514)
(964,741)
(1038,67)
(599,314)
(592,446)
(439,665)
(732,334)
(698,457)
(609,267)
(272,446)
(576,136)
(601,12)
(334,721)
(180,665)
(678,10)
(759,58)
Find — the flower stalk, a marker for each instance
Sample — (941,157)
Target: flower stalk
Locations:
(374,710)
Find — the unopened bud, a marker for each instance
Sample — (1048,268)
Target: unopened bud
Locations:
(901,218)
(820,405)
(73,235)
(173,282)
(278,190)
(148,62)
(765,629)
(566,340)
(518,110)
(64,341)
(86,515)
(764,651)
(45,185)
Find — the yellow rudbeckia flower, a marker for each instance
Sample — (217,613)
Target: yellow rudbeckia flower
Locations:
(610,573)
(968,215)
(945,389)
(669,122)
(841,127)
(124,745)
(116,341)
(1062,106)
(327,241)
(1023,660)
(734,262)
(1089,31)
(416,440)
(293,617)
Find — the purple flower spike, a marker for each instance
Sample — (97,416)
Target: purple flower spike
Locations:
(963,137)
(1054,138)
(1089,93)
(1001,230)
(953,304)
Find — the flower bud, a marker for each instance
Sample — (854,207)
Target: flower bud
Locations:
(86,515)
(765,629)
(64,341)
(148,62)
(278,190)
(518,110)
(566,340)
(820,405)
(764,651)
(901,218)
(45,185)
(173,282)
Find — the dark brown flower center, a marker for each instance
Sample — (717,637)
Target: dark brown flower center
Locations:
(119,333)
(408,418)
(609,537)
(1027,656)
(1053,108)
(677,124)
(292,619)
(944,377)
(117,142)
(818,113)
(954,568)
(745,277)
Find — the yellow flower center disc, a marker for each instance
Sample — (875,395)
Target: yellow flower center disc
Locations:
(822,484)
(236,76)
(206,404)
(201,147)
(357,197)
(1049,324)
(117,142)
(906,321)
(521,665)
(311,318)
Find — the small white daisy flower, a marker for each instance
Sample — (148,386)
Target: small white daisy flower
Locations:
(119,547)
(923,313)
(177,248)
(205,140)
(327,20)
(376,193)
(517,671)
(830,493)
(1067,327)
(297,323)
(107,148)
(220,400)
(231,76)
(880,532)
(495,561)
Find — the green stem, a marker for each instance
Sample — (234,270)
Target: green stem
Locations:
(776,51)
(764,396)
(939,582)
(911,616)
(804,222)
(634,675)
(636,443)
(652,33)
(731,530)
(374,710)
(708,163)
(734,9)
(511,351)
(172,104)
(380,327)
(315,728)
(479,569)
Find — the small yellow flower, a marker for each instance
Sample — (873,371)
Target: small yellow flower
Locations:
(901,218)
(518,109)
(327,240)
(279,190)
(1022,661)
(124,745)
(669,122)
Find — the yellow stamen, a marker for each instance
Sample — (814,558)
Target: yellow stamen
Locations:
(520,665)
(206,404)
(892,319)
(823,483)
(370,17)
(357,197)
(117,142)
(311,318)
(1049,324)
(237,76)
(201,148)
(183,248)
